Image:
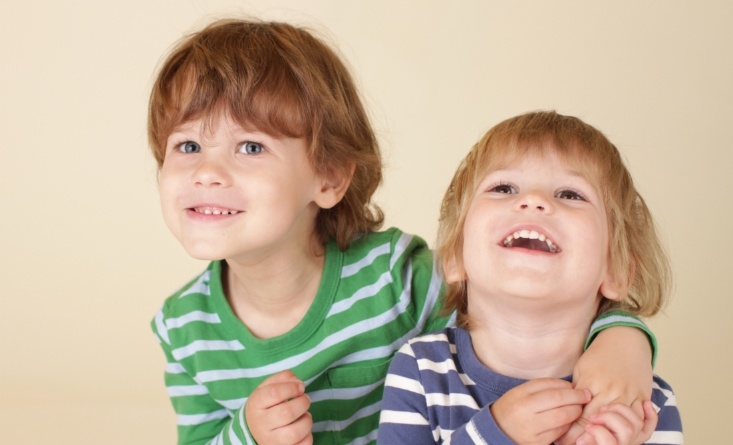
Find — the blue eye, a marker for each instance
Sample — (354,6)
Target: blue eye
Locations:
(251,148)
(189,147)
(569,194)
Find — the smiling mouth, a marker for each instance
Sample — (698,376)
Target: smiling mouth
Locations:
(532,240)
(214,211)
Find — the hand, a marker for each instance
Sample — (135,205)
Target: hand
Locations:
(539,411)
(277,411)
(619,424)
(616,368)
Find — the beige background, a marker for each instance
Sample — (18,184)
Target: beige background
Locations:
(86,259)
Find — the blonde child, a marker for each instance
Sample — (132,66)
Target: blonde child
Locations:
(541,230)
(267,166)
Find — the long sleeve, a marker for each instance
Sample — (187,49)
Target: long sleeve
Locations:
(200,418)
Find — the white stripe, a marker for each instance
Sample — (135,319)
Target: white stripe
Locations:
(233,437)
(216,440)
(369,438)
(671,397)
(474,434)
(443,367)
(201,286)
(402,418)
(343,393)
(397,381)
(342,425)
(198,419)
(232,404)
(354,268)
(183,320)
(242,424)
(666,437)
(451,399)
(432,338)
(206,345)
(365,292)
(402,244)
(160,326)
(442,434)
(186,390)
(431,299)
(614,319)
(175,368)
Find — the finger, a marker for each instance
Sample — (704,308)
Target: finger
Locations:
(601,435)
(626,413)
(650,421)
(556,397)
(622,428)
(297,432)
(281,377)
(292,410)
(556,422)
(585,438)
(283,415)
(576,431)
(267,396)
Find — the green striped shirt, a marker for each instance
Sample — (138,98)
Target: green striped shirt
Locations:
(373,297)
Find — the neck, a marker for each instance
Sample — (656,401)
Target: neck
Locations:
(529,343)
(271,295)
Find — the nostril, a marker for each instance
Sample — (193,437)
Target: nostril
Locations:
(541,207)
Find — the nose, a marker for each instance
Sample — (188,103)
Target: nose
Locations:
(535,201)
(211,172)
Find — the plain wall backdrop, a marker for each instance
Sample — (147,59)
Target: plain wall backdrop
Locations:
(87,259)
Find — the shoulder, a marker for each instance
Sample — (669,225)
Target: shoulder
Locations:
(193,298)
(390,249)
(393,240)
(437,346)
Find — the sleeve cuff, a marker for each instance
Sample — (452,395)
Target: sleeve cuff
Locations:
(620,318)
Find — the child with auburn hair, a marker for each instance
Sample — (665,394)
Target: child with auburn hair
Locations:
(541,229)
(267,167)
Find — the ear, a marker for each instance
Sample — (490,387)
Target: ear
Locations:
(333,186)
(609,288)
(453,270)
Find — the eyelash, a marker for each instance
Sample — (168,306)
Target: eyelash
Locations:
(493,187)
(177,146)
(580,196)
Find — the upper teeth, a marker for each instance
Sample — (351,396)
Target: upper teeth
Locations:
(530,234)
(208,211)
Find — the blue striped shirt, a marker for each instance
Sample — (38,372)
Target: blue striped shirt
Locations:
(437,391)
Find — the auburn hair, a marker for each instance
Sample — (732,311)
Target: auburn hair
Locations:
(281,80)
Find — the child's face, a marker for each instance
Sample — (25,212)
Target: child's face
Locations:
(229,193)
(537,230)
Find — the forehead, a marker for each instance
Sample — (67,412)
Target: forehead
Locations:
(573,159)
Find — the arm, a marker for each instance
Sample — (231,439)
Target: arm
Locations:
(616,367)
(404,416)
(200,418)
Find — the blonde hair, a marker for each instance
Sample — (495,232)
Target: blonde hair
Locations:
(281,80)
(638,261)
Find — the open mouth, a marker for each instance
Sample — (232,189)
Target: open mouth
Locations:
(214,211)
(532,240)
